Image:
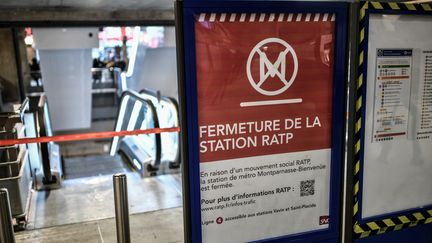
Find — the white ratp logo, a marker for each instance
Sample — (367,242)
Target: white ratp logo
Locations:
(268,69)
(278,68)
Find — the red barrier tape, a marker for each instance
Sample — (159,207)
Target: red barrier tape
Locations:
(85,136)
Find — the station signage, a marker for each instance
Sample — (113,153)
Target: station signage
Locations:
(264,109)
(265,86)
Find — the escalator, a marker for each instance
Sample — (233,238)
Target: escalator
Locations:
(51,172)
(150,154)
(90,175)
(167,112)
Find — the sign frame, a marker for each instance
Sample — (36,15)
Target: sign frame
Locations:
(396,221)
(185,19)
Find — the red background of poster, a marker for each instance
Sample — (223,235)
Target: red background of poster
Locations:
(222,51)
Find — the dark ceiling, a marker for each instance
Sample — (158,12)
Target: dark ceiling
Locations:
(91,4)
(22,12)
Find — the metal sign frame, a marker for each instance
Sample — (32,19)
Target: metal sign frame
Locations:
(185,12)
(363,228)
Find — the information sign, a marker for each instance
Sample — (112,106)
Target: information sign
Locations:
(268,96)
(264,116)
(392,94)
(393,165)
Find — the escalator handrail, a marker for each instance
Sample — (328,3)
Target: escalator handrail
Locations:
(155,119)
(149,92)
(93,69)
(173,102)
(167,99)
(42,131)
(24,107)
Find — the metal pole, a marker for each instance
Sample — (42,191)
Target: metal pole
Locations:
(121,208)
(6,226)
(348,189)
(183,142)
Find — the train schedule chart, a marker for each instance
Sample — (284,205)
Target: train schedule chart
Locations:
(392,94)
(424,119)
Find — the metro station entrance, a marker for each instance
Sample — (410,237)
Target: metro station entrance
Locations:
(85,80)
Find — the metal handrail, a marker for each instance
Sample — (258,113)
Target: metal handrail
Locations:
(21,171)
(116,141)
(15,162)
(6,226)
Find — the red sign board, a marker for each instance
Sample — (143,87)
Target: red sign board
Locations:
(265,96)
(264,83)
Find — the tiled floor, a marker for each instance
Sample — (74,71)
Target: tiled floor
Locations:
(91,198)
(94,165)
(82,210)
(162,226)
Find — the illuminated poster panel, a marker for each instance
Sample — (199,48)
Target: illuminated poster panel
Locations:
(263,111)
(398,122)
(264,90)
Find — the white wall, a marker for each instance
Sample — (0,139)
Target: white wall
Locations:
(66,61)
(155,68)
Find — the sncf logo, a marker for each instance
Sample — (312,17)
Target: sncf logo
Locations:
(276,68)
(324,219)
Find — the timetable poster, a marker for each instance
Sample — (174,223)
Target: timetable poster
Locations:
(392,94)
(424,119)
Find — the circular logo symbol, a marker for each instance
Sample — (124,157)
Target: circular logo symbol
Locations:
(272,69)
(219,220)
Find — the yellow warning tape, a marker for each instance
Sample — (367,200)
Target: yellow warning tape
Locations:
(389,224)
(394,6)
(426,7)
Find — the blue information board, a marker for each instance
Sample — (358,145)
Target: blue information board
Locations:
(262,90)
